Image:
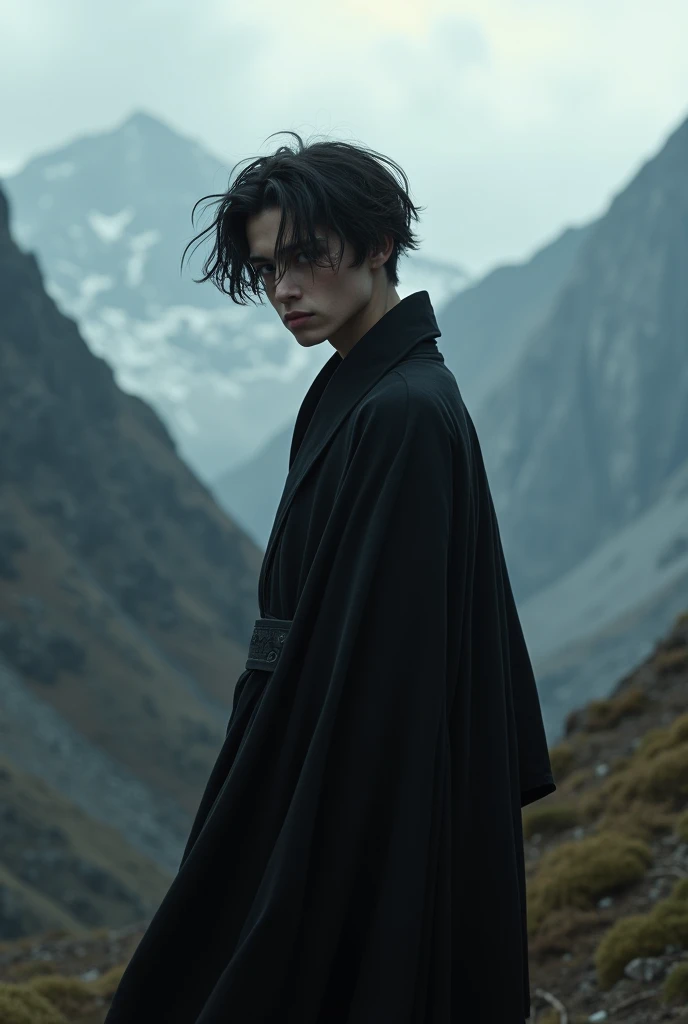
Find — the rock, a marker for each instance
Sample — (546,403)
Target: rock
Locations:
(648,968)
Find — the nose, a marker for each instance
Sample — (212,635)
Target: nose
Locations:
(286,289)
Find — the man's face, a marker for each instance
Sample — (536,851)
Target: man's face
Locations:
(338,299)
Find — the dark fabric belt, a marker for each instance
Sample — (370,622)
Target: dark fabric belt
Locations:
(266,644)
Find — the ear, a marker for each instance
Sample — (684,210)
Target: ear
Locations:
(379,256)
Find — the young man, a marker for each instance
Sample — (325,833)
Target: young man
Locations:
(357,855)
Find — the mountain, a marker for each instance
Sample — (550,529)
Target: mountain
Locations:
(582,437)
(127,602)
(108,216)
(250,493)
(606,867)
(605,614)
(485,328)
(60,869)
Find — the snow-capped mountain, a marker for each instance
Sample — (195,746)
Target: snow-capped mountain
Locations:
(108,216)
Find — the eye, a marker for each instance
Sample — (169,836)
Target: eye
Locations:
(262,268)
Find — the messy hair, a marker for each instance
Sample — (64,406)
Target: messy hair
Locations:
(343,187)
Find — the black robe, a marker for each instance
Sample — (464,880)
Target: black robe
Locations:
(357,855)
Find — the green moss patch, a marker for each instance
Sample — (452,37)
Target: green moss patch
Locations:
(71,996)
(682,827)
(657,773)
(548,819)
(21,1004)
(107,983)
(643,935)
(606,714)
(639,819)
(579,872)
(673,660)
(675,987)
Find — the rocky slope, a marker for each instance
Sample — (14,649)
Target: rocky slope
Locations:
(59,868)
(607,854)
(127,601)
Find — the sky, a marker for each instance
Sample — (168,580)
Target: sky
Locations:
(512,119)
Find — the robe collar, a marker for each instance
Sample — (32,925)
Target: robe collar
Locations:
(340,385)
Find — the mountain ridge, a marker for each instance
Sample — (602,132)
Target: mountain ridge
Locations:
(127,596)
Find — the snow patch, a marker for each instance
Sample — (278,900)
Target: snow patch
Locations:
(110,227)
(140,244)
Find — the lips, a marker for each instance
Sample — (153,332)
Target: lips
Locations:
(296,316)
(298,322)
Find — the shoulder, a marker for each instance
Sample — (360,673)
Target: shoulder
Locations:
(398,400)
(397,412)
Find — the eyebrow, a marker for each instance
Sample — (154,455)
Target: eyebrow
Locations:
(257,258)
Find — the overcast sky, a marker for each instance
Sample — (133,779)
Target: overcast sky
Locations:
(512,118)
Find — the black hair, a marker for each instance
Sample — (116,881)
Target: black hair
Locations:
(334,183)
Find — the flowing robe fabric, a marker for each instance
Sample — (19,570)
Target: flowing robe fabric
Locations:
(357,855)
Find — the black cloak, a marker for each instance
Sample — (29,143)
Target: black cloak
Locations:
(357,855)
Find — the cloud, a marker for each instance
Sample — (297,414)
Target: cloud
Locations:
(511,119)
